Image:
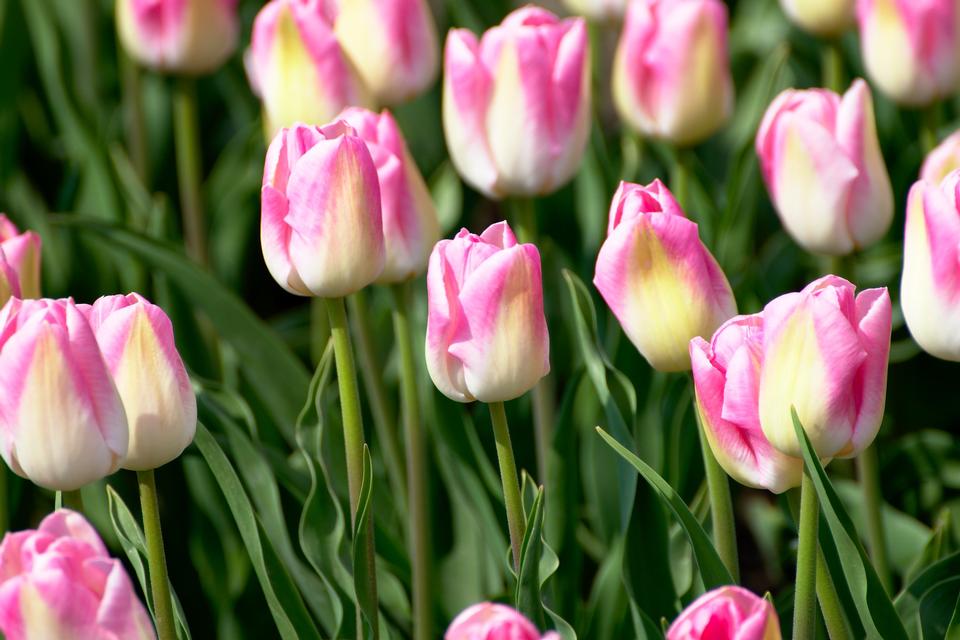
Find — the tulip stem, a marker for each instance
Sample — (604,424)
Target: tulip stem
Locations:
(418,537)
(680,177)
(508,477)
(929,123)
(805,594)
(721,506)
(830,601)
(832,66)
(159,582)
(72,500)
(133,114)
(186,133)
(868,472)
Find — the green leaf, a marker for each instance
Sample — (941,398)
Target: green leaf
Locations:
(364,575)
(938,608)
(907,602)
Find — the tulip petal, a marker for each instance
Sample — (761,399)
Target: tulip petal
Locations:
(874,318)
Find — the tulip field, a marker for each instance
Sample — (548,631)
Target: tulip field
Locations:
(480,319)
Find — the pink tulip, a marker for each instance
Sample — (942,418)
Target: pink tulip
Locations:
(911,48)
(516,103)
(821,160)
(179,36)
(930,289)
(297,66)
(598,10)
(136,339)
(410,226)
(658,278)
(727,613)
(671,73)
(825,353)
(828,18)
(321,227)
(486,333)
(59,582)
(19,262)
(392,44)
(62,423)
(492,621)
(943,160)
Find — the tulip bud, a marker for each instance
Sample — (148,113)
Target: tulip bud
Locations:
(825,354)
(598,10)
(492,621)
(392,44)
(62,424)
(59,581)
(943,160)
(930,289)
(179,36)
(658,278)
(727,613)
(827,18)
(821,161)
(671,73)
(487,336)
(410,226)
(136,339)
(911,48)
(321,227)
(19,262)
(297,67)
(726,376)
(516,103)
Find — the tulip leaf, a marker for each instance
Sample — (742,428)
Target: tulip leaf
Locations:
(937,608)
(908,601)
(364,575)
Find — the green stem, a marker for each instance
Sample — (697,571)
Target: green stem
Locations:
(721,507)
(133,118)
(509,479)
(929,123)
(72,500)
(832,66)
(680,177)
(805,594)
(159,582)
(186,132)
(524,219)
(418,539)
(868,472)
(830,601)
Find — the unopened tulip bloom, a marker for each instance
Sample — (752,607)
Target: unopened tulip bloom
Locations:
(828,18)
(516,103)
(59,582)
(321,227)
(671,73)
(62,424)
(911,48)
(599,10)
(825,353)
(821,161)
(486,333)
(492,621)
(19,262)
(136,339)
(943,160)
(392,44)
(410,226)
(658,278)
(179,36)
(727,613)
(297,66)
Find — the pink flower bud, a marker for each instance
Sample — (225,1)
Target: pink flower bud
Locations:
(911,48)
(62,424)
(821,160)
(671,73)
(321,227)
(658,278)
(599,10)
(487,336)
(58,581)
(827,18)
(492,621)
(179,36)
(727,613)
(19,262)
(136,339)
(516,103)
(410,226)
(943,160)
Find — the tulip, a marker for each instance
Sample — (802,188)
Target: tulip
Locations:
(726,376)
(321,227)
(19,262)
(942,160)
(827,18)
(392,44)
(658,278)
(825,354)
(516,103)
(179,36)
(598,10)
(911,48)
(410,226)
(296,65)
(930,289)
(486,333)
(492,621)
(671,73)
(821,160)
(62,424)
(136,339)
(59,582)
(727,613)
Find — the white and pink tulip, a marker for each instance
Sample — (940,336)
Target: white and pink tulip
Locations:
(19,262)
(493,621)
(827,18)
(727,613)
